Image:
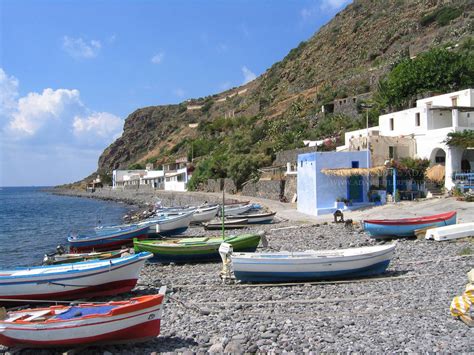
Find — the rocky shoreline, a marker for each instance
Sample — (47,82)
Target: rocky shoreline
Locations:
(404,310)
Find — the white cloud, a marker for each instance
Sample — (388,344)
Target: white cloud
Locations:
(157,58)
(55,116)
(322,6)
(179,92)
(101,125)
(225,85)
(248,75)
(112,38)
(8,93)
(37,110)
(333,4)
(52,132)
(79,48)
(222,47)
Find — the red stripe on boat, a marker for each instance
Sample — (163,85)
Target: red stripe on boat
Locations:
(140,332)
(107,289)
(415,220)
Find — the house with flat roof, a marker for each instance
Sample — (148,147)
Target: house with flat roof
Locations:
(420,132)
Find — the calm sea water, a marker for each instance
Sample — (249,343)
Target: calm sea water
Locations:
(33,222)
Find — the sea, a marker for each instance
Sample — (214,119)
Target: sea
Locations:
(34,221)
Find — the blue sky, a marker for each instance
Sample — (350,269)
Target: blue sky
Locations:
(71,71)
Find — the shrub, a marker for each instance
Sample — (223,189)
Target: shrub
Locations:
(442,16)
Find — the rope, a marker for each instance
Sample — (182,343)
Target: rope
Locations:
(192,306)
(303,301)
(316,283)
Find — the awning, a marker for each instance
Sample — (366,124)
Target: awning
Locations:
(376,170)
(436,173)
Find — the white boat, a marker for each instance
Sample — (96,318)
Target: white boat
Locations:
(169,225)
(136,319)
(256,218)
(455,231)
(311,265)
(72,281)
(204,214)
(235,210)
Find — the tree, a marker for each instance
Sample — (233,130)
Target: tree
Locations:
(464,139)
(435,70)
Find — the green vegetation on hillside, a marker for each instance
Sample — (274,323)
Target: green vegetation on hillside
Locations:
(235,148)
(438,70)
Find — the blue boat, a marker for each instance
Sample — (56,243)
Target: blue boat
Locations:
(311,265)
(107,238)
(405,227)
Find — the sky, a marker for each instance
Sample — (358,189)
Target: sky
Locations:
(72,71)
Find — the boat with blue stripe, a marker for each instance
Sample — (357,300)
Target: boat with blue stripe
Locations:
(107,238)
(405,227)
(72,281)
(311,265)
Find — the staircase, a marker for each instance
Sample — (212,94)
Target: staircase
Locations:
(434,190)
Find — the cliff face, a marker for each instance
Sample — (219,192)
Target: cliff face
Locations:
(345,57)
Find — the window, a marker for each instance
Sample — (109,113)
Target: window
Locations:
(392,124)
(454,101)
(391,152)
(440,159)
(417,119)
(355,164)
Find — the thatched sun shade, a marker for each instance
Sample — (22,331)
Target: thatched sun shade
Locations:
(345,172)
(435,173)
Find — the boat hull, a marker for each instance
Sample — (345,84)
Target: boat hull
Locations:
(195,253)
(73,281)
(390,228)
(172,226)
(233,211)
(262,218)
(205,215)
(140,323)
(108,241)
(284,268)
(462,230)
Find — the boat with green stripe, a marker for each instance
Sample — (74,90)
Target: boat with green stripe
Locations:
(195,249)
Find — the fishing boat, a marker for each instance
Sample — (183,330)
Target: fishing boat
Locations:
(256,218)
(61,257)
(134,320)
(456,231)
(72,281)
(169,225)
(235,209)
(205,214)
(406,227)
(107,238)
(311,265)
(228,224)
(195,249)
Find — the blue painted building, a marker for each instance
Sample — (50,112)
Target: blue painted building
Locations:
(318,191)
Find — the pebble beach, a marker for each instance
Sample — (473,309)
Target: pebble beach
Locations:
(404,310)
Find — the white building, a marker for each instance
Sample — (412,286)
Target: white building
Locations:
(173,177)
(428,124)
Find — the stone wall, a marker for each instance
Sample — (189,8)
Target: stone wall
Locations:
(290,187)
(349,105)
(216,185)
(291,156)
(270,189)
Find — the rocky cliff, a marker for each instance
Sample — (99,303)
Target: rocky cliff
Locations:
(345,57)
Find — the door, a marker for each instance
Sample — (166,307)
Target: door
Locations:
(354,186)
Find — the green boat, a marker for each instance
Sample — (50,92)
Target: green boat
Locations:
(195,249)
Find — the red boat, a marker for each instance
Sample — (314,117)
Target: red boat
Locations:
(405,227)
(134,320)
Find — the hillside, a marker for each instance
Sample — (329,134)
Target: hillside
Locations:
(345,57)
